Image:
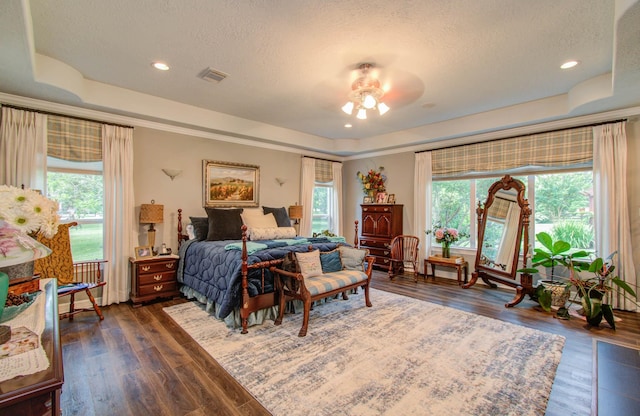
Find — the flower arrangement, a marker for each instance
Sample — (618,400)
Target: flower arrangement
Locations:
(373,181)
(446,235)
(28,212)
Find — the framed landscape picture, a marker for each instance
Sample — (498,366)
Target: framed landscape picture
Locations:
(230,184)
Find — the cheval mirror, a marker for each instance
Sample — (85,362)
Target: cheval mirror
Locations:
(503,221)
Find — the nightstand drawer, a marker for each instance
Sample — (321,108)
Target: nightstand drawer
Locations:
(156,267)
(147,279)
(157,288)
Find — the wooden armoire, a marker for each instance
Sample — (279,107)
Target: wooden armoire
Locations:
(380,223)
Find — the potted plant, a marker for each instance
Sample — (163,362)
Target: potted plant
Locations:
(594,291)
(551,292)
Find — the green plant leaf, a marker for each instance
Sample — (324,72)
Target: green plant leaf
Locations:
(607,312)
(546,240)
(560,247)
(596,265)
(624,286)
(544,298)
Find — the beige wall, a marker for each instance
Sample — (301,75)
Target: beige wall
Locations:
(155,149)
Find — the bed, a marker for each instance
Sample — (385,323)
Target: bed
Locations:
(232,276)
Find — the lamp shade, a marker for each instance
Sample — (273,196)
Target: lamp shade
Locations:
(151,213)
(295,212)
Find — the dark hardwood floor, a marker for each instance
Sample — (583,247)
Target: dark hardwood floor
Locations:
(138,362)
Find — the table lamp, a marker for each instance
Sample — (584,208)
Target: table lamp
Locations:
(295,213)
(151,214)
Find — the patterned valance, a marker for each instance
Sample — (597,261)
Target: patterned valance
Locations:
(324,171)
(557,149)
(74,139)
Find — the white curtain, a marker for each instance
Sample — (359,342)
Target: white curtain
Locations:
(23,149)
(422,204)
(612,226)
(336,207)
(308,180)
(119,210)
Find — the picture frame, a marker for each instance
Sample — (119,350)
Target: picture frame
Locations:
(143,252)
(367,200)
(227,184)
(391,199)
(381,198)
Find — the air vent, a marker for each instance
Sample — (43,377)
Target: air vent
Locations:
(212,75)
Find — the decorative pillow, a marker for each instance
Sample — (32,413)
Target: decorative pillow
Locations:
(190,233)
(224,224)
(281,214)
(271,233)
(309,263)
(352,258)
(330,261)
(200,227)
(255,218)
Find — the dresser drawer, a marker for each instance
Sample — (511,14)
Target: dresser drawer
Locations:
(369,243)
(157,288)
(381,262)
(156,266)
(377,208)
(382,252)
(159,277)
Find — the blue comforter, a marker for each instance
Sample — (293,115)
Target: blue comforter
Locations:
(213,268)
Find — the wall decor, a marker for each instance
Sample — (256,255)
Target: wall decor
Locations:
(229,184)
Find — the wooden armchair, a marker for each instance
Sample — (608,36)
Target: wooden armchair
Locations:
(72,277)
(404,255)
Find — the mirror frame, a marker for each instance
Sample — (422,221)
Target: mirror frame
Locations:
(488,274)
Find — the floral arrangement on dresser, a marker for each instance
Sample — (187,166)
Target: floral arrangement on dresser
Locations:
(373,181)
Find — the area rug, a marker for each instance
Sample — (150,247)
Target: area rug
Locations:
(400,357)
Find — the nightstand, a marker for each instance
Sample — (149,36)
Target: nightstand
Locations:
(152,278)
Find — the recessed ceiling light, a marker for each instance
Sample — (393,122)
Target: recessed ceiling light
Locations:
(161,66)
(569,64)
(348,126)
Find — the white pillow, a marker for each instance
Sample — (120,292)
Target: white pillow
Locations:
(255,218)
(190,232)
(309,263)
(271,233)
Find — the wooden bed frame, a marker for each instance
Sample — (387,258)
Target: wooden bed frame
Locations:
(262,300)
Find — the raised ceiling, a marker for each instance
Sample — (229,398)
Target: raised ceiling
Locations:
(452,68)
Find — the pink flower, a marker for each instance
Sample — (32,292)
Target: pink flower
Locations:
(439,233)
(453,232)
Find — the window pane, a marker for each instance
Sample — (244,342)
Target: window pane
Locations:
(564,208)
(321,212)
(451,207)
(80,196)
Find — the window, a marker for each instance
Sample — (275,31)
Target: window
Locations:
(562,206)
(322,203)
(80,195)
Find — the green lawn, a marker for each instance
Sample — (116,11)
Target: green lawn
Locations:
(86,242)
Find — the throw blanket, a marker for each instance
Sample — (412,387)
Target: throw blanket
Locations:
(216,272)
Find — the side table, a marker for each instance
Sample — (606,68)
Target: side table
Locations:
(455,262)
(154,277)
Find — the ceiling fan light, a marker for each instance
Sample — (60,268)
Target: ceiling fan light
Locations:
(348,107)
(383,108)
(369,101)
(362,114)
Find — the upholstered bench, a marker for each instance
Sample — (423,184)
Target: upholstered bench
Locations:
(313,276)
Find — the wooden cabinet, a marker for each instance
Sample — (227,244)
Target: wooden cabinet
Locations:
(380,223)
(153,278)
(38,394)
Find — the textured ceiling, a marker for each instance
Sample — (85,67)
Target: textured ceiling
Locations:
(290,64)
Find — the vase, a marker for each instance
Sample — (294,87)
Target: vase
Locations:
(371,194)
(446,250)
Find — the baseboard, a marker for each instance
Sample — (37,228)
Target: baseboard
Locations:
(63,304)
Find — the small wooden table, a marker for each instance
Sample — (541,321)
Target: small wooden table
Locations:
(456,262)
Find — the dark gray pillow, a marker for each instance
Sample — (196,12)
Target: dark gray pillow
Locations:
(281,214)
(200,227)
(224,224)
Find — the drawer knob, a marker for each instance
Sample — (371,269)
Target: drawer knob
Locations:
(157,277)
(146,268)
(386,253)
(386,260)
(158,288)
(169,265)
